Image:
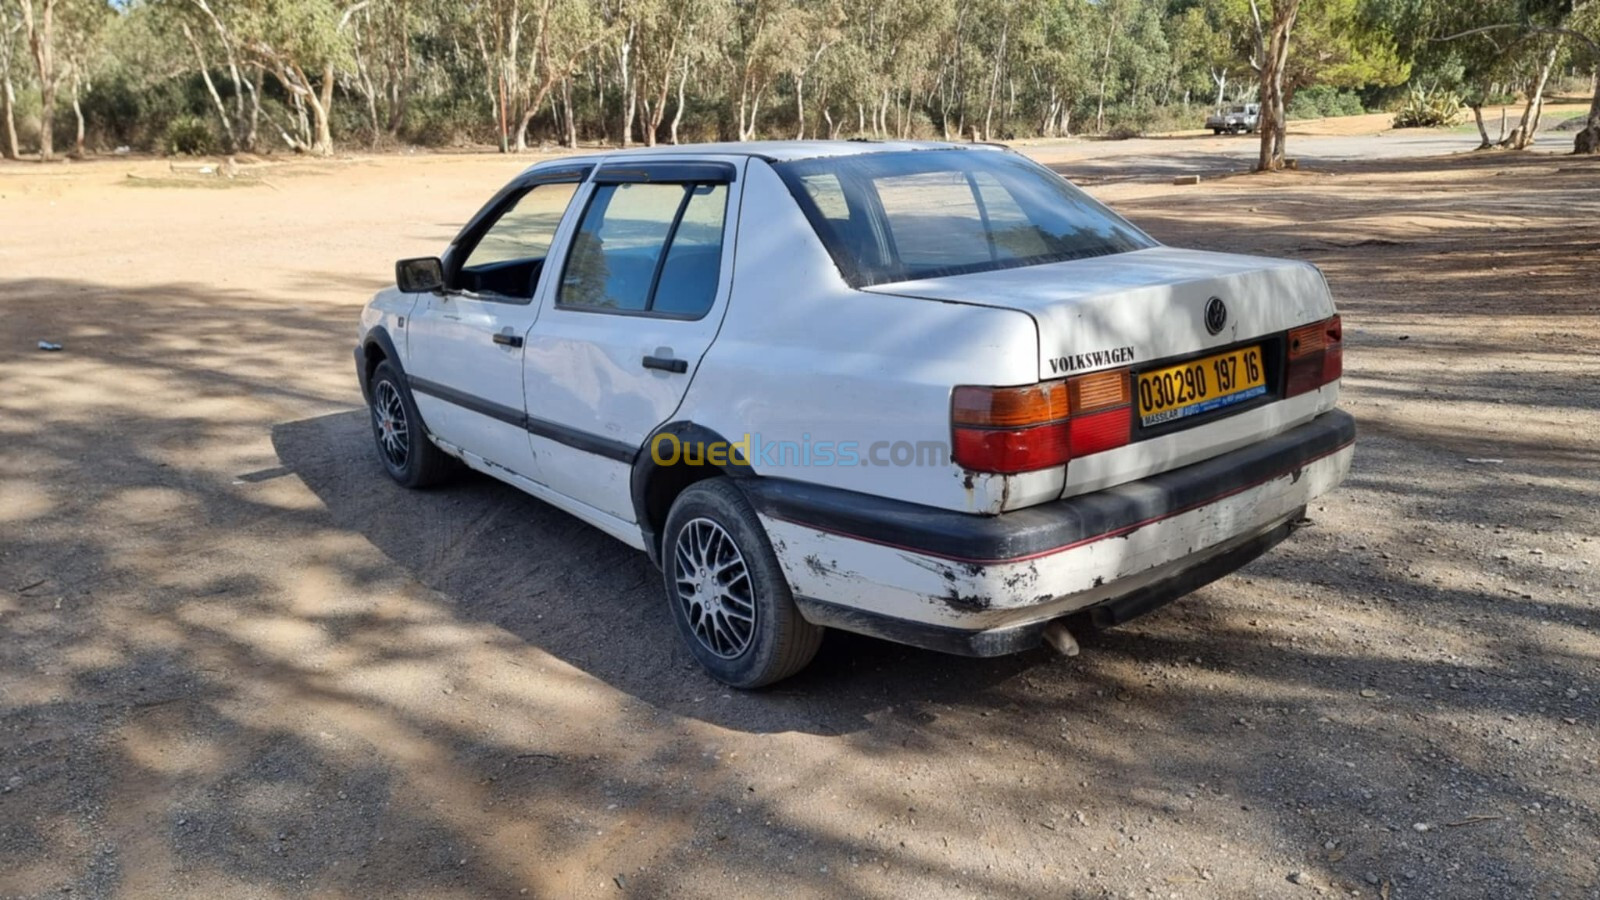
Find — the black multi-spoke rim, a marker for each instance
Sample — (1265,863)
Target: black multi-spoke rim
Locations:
(713,588)
(389,416)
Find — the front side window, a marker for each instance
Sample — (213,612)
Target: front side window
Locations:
(898,216)
(648,248)
(510,254)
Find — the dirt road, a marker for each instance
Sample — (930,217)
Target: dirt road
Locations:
(236,661)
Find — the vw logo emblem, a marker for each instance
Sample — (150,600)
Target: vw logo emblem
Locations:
(1216,315)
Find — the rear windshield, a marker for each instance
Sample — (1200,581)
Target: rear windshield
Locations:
(899,216)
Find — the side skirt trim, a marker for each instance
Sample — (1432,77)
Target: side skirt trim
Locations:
(561,434)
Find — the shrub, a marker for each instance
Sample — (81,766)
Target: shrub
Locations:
(188,136)
(1130,121)
(1321,101)
(1424,108)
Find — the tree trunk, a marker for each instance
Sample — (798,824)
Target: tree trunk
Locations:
(41,42)
(321,108)
(521,143)
(400,85)
(211,87)
(800,107)
(677,115)
(1273,122)
(539,97)
(566,104)
(1526,131)
(77,113)
(316,136)
(647,122)
(994,82)
(1587,141)
(47,117)
(239,85)
(255,108)
(755,109)
(8,107)
(1483,130)
(630,112)
(1105,69)
(625,78)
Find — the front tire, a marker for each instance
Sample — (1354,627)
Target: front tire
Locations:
(407,454)
(729,598)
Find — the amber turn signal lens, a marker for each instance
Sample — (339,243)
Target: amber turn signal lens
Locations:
(1307,339)
(1011,407)
(1102,390)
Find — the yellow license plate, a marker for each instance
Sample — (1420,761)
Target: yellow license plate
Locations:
(1201,386)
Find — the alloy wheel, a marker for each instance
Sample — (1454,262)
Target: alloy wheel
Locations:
(714,590)
(389,415)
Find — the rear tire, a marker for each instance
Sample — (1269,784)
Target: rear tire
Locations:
(728,596)
(404,448)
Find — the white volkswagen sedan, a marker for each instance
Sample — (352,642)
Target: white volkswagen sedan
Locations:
(927,392)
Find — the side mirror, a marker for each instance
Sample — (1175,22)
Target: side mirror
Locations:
(420,275)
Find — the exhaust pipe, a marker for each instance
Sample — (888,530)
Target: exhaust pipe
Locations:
(1060,639)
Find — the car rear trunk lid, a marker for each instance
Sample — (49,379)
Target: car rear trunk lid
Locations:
(1140,307)
(1146,310)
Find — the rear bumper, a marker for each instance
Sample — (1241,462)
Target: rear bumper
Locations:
(987,585)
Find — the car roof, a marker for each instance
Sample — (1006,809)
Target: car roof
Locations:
(772,151)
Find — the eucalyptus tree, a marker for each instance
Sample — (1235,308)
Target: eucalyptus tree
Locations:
(39,28)
(10,29)
(1206,39)
(1521,40)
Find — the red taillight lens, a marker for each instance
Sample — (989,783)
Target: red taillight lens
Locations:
(1099,431)
(1011,430)
(1011,451)
(1316,356)
(1333,357)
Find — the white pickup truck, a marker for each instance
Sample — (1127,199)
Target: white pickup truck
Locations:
(927,392)
(1242,118)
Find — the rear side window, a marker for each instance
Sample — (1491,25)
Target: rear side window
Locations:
(889,217)
(647,248)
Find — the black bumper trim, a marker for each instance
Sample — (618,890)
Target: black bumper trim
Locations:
(1053,526)
(1018,638)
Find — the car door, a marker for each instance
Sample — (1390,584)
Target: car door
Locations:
(641,294)
(466,343)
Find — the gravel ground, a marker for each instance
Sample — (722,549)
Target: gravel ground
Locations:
(236,661)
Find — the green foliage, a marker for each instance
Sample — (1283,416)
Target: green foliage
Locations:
(188,136)
(1321,101)
(1425,108)
(156,73)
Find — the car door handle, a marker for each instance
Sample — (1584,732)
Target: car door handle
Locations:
(666,364)
(508,340)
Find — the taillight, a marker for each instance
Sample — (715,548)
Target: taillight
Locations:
(1021,429)
(1102,418)
(1316,356)
(1010,430)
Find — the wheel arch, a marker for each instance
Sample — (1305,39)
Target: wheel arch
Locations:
(656,481)
(375,348)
